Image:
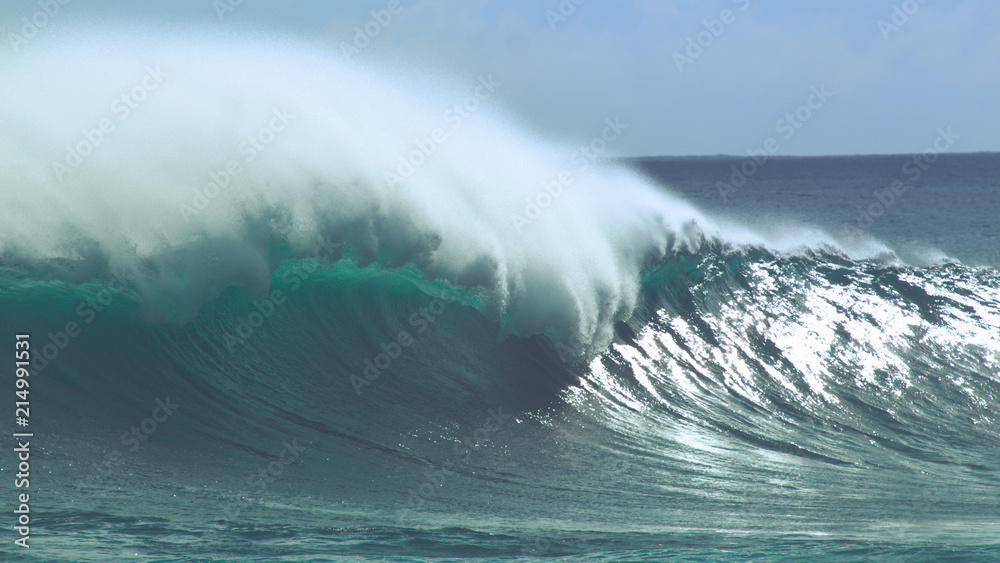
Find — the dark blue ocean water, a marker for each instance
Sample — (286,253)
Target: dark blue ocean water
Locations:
(944,204)
(758,406)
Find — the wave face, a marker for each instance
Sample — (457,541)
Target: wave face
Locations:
(327,363)
(753,398)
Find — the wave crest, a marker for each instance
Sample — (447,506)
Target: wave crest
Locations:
(198,163)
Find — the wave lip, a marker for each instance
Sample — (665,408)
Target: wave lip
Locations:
(169,158)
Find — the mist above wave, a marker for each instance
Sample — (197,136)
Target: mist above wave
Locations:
(199,161)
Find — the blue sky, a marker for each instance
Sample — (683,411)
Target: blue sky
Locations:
(938,65)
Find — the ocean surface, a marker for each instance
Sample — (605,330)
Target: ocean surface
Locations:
(757,406)
(648,364)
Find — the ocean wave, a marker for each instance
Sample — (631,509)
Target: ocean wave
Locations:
(176,163)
